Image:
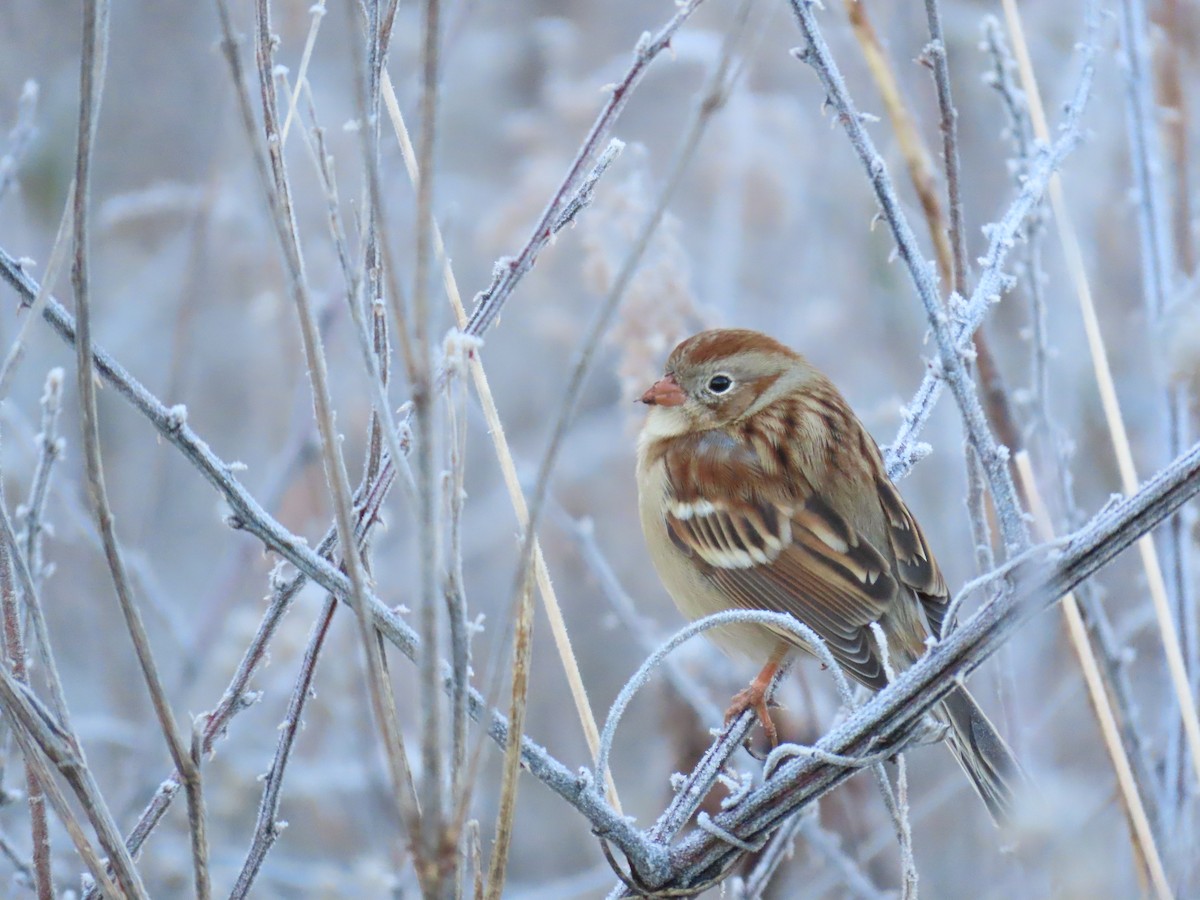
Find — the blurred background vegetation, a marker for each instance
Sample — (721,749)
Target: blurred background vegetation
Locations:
(771,229)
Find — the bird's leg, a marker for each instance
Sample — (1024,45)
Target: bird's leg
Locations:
(754,696)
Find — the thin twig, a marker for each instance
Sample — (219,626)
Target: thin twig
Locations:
(995,394)
(454,584)
(897,804)
(283,217)
(15,660)
(993,456)
(937,55)
(510,270)
(1156,257)
(1169,634)
(375,263)
(45,742)
(1020,130)
(317,11)
(904,450)
(94,56)
(379,266)
(50,449)
(518,706)
(267,826)
(59,253)
(977,514)
(1139,821)
(437,864)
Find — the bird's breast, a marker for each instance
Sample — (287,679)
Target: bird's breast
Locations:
(694,594)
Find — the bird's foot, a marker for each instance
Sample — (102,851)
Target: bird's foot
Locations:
(754,697)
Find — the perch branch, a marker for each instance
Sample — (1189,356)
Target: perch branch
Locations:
(1038,579)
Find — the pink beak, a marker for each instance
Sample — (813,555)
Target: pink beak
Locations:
(664,392)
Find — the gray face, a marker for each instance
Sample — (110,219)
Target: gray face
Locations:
(722,391)
(712,385)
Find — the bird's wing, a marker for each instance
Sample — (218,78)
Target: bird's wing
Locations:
(915,564)
(788,552)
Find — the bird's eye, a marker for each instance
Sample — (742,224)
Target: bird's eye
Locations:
(720,383)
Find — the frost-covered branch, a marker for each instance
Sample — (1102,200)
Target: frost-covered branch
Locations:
(904,451)
(1038,579)
(951,337)
(1157,264)
(993,456)
(246,514)
(510,270)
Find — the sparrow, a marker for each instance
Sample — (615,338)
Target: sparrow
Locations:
(760,489)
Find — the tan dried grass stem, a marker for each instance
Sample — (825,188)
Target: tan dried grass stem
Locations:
(1073,257)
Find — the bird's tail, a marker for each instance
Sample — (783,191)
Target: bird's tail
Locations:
(983,754)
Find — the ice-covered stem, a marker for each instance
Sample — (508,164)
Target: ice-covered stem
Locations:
(50,448)
(237,695)
(510,270)
(454,581)
(936,55)
(1038,579)
(1157,264)
(92,68)
(267,827)
(993,281)
(16,660)
(993,456)
(432,787)
(995,393)
(1020,131)
(246,514)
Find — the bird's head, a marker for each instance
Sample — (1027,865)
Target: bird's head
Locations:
(716,378)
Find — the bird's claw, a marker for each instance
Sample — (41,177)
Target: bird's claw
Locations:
(754,697)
